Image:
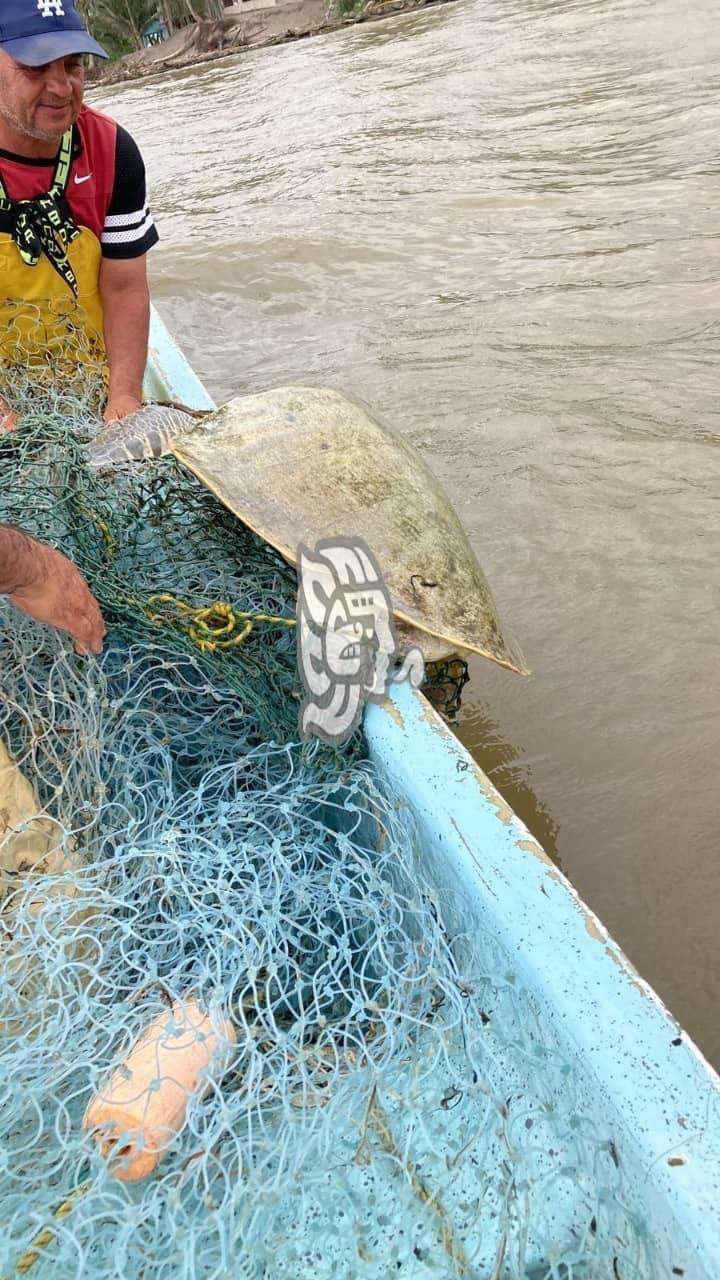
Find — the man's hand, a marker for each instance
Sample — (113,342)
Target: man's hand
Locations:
(53,591)
(119,406)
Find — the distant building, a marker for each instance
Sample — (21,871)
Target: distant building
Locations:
(244,6)
(154,32)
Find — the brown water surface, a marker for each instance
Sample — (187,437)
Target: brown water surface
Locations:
(497,222)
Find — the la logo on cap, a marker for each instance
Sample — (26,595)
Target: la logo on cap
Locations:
(37,32)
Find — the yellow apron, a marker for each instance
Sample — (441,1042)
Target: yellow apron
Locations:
(51,320)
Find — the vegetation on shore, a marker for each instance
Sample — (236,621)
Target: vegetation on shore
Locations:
(193,42)
(118,24)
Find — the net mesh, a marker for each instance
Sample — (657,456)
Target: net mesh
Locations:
(387,1100)
(58,341)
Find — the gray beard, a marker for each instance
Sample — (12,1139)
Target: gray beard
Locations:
(30,131)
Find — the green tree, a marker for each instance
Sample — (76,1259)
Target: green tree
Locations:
(177,12)
(118,24)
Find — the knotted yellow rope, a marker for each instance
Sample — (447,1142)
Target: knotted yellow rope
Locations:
(210,627)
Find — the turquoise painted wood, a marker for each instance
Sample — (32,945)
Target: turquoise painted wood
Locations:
(642,1079)
(645,1080)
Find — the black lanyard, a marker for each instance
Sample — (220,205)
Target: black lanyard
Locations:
(44,224)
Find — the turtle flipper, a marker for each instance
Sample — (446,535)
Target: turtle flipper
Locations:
(149,433)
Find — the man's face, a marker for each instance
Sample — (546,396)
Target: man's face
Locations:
(41,102)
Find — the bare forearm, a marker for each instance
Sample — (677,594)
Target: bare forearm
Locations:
(18,560)
(126,319)
(47,586)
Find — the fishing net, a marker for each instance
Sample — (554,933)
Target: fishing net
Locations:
(59,343)
(376,1098)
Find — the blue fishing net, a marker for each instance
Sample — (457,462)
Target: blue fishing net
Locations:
(387,1099)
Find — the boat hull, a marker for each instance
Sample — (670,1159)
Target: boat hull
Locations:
(637,1077)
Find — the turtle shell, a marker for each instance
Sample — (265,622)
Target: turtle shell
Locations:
(301,464)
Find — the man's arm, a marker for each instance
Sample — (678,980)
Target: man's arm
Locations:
(126,311)
(15,559)
(46,585)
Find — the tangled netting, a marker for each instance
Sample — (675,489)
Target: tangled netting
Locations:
(59,344)
(388,1101)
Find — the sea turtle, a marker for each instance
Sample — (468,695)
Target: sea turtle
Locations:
(301,464)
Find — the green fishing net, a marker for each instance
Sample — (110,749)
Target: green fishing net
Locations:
(388,1100)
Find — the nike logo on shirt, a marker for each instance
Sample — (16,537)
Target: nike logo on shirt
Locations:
(85,178)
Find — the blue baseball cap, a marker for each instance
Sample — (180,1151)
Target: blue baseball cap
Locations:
(34,32)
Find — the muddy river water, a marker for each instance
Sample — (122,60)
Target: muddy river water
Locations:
(497,222)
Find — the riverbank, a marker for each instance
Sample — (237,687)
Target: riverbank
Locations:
(221,38)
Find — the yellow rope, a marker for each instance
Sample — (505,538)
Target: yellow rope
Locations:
(102,525)
(211,627)
(46,1237)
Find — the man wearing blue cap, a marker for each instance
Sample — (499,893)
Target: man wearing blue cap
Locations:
(74,224)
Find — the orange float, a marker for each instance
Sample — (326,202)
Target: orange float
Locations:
(143,1106)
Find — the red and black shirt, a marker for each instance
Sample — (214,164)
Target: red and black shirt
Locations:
(105,189)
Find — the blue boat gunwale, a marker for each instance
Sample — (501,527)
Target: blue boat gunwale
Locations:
(649,1080)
